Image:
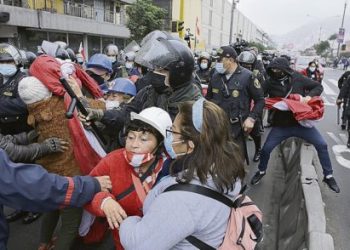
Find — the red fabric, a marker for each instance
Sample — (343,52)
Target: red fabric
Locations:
(313,110)
(116,167)
(48,70)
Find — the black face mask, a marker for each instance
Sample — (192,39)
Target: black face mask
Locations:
(278,75)
(1,79)
(97,78)
(158,82)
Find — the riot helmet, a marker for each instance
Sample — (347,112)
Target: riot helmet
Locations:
(204,55)
(246,59)
(72,55)
(9,53)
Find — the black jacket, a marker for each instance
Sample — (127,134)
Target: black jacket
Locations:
(13,111)
(148,97)
(294,83)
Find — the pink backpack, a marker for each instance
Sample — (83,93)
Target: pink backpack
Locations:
(244,228)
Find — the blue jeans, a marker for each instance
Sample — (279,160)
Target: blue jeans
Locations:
(311,135)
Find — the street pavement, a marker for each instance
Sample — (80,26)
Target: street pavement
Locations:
(26,237)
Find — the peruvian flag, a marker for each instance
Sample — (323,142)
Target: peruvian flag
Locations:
(81,51)
(305,113)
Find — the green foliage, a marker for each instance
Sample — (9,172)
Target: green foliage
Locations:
(260,46)
(322,48)
(332,37)
(144,17)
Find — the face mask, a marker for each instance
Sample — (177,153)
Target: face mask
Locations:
(312,69)
(278,75)
(136,160)
(112,58)
(168,144)
(158,82)
(129,65)
(99,79)
(8,70)
(220,68)
(204,65)
(112,104)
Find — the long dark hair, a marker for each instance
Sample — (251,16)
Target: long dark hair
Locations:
(214,152)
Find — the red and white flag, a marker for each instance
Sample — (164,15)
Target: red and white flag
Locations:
(81,51)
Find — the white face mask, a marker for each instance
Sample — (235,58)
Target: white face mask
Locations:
(312,69)
(129,65)
(112,104)
(204,65)
(112,58)
(220,68)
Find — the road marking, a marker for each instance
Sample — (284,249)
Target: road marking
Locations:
(328,90)
(338,150)
(335,82)
(335,138)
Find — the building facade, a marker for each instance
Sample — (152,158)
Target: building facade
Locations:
(209,22)
(92,23)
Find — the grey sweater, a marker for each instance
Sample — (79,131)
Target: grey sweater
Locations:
(172,216)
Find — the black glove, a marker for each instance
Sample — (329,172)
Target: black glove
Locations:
(32,136)
(52,145)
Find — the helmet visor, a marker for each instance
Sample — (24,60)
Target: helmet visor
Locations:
(156,54)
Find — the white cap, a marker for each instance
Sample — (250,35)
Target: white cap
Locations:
(156,117)
(31,90)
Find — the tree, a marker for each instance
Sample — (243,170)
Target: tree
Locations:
(144,17)
(332,37)
(260,46)
(322,48)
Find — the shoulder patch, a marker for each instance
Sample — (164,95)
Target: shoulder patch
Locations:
(257,84)
(216,91)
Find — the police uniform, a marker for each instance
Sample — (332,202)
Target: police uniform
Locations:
(13,114)
(234,95)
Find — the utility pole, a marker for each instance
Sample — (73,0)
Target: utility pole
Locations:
(182,6)
(232,13)
(342,27)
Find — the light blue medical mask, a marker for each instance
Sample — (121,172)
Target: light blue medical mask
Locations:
(204,66)
(220,68)
(8,70)
(168,144)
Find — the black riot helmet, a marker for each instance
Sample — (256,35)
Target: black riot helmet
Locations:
(72,55)
(62,54)
(171,55)
(246,59)
(30,57)
(9,53)
(204,55)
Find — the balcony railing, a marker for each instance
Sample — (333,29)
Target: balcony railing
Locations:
(79,10)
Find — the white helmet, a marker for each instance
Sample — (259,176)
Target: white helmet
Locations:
(156,117)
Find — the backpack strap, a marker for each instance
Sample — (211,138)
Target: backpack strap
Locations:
(201,190)
(198,243)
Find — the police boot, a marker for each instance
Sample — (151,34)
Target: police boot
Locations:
(15,215)
(30,217)
(257,142)
(348,144)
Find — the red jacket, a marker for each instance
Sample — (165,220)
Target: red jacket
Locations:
(120,172)
(316,75)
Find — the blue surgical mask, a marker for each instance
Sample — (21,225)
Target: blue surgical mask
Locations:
(8,70)
(220,68)
(204,65)
(168,144)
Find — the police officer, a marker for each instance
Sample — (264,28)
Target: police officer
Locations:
(343,80)
(13,111)
(344,98)
(247,59)
(233,88)
(204,67)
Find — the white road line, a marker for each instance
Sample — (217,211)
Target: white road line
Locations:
(328,90)
(334,82)
(335,138)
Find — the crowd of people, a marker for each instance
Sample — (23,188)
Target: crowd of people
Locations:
(99,142)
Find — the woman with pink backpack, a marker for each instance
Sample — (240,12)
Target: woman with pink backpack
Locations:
(187,210)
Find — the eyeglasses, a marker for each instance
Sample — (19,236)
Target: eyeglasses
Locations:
(171,131)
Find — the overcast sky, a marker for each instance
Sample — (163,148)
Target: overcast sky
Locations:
(281,16)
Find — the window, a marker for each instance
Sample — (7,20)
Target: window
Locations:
(31,39)
(54,36)
(107,40)
(74,41)
(94,45)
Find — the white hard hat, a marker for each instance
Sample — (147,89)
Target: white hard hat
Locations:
(156,117)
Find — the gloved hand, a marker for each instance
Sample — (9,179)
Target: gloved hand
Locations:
(93,114)
(32,136)
(54,145)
